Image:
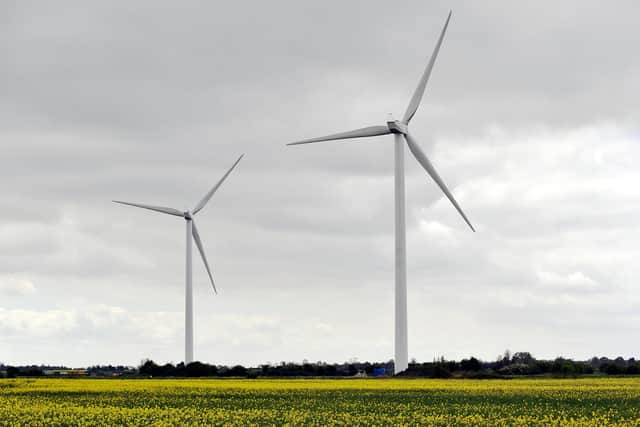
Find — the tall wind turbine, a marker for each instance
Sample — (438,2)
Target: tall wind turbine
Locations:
(400,131)
(192,231)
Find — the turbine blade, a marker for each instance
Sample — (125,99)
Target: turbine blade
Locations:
(426,164)
(196,237)
(358,133)
(162,209)
(417,95)
(207,196)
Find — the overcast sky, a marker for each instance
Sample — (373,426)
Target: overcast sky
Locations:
(531,116)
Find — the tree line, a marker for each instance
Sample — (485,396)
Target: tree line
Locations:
(506,365)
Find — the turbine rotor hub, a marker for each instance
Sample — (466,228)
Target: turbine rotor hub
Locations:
(397,127)
(187,215)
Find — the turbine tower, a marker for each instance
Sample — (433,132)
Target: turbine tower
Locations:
(400,131)
(192,232)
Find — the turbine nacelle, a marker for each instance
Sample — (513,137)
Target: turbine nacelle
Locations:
(187,215)
(398,127)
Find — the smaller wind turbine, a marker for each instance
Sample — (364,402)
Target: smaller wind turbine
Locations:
(192,231)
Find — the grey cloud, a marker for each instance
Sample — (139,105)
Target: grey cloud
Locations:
(530,116)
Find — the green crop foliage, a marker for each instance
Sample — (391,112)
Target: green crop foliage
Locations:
(320,402)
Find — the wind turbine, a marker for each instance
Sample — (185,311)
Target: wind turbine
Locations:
(400,131)
(192,231)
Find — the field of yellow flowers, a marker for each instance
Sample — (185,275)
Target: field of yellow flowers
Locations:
(530,402)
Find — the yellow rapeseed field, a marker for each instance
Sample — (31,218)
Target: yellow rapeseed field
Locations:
(320,402)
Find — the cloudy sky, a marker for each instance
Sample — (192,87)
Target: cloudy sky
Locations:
(531,116)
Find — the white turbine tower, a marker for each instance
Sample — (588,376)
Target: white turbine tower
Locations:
(192,231)
(400,130)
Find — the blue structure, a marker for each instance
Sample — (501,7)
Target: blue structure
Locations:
(379,372)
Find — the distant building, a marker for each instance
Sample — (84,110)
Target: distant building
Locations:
(379,372)
(65,372)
